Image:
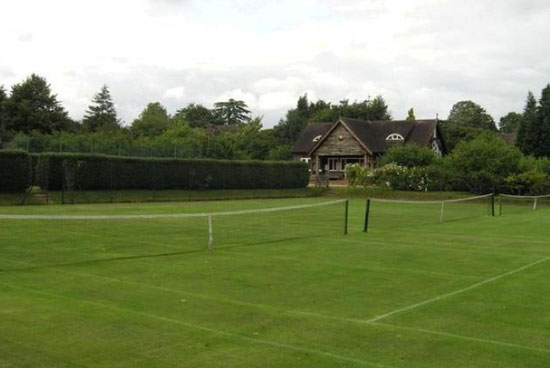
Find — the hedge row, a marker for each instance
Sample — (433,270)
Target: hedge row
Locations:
(100,172)
(15,170)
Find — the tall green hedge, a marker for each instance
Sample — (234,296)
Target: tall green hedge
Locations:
(100,172)
(15,170)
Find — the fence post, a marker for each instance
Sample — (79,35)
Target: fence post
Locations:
(346,217)
(535,204)
(442,211)
(367,214)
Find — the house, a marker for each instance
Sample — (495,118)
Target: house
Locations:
(329,147)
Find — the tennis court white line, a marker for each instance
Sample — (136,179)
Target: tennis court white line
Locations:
(424,331)
(461,337)
(456,292)
(202,328)
(303,313)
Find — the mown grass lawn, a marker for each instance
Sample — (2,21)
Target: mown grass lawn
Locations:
(279,289)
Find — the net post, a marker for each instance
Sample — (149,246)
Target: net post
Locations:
(499,205)
(535,204)
(210,233)
(442,211)
(346,217)
(493,205)
(63,173)
(367,214)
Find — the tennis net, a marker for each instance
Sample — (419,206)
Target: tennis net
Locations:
(43,240)
(388,214)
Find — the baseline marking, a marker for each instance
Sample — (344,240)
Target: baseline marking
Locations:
(456,292)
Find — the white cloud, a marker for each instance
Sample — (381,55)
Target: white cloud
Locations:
(425,54)
(176,93)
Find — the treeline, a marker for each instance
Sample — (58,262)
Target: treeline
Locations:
(33,119)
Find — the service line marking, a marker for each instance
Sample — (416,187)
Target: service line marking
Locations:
(456,292)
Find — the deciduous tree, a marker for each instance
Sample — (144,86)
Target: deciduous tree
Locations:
(153,120)
(33,106)
(510,122)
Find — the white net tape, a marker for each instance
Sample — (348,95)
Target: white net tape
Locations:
(524,197)
(431,202)
(172,215)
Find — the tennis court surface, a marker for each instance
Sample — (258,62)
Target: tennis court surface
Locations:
(275,283)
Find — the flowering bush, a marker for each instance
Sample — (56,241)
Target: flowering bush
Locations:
(397,177)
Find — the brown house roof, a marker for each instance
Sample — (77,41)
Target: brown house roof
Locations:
(371,134)
(305,142)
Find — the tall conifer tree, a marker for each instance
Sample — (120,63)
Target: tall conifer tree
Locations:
(101,114)
(525,138)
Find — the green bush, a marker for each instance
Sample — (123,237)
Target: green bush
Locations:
(532,182)
(482,164)
(15,171)
(101,172)
(393,176)
(410,155)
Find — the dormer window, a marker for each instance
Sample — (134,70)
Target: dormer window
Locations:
(395,137)
(317,138)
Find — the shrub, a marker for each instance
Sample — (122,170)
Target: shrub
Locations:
(99,172)
(532,182)
(393,176)
(15,170)
(482,164)
(410,155)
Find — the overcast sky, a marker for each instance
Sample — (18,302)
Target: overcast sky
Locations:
(426,54)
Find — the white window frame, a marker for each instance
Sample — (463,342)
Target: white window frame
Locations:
(395,137)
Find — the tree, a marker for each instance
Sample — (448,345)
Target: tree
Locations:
(232,112)
(466,121)
(33,106)
(289,129)
(482,164)
(153,120)
(526,138)
(3,98)
(470,114)
(196,115)
(541,129)
(410,155)
(410,115)
(510,122)
(101,114)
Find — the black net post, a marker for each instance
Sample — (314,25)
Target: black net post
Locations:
(63,178)
(367,214)
(346,216)
(493,205)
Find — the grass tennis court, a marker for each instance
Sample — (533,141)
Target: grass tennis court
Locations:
(279,289)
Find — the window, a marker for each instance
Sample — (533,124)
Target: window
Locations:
(395,137)
(317,138)
(305,159)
